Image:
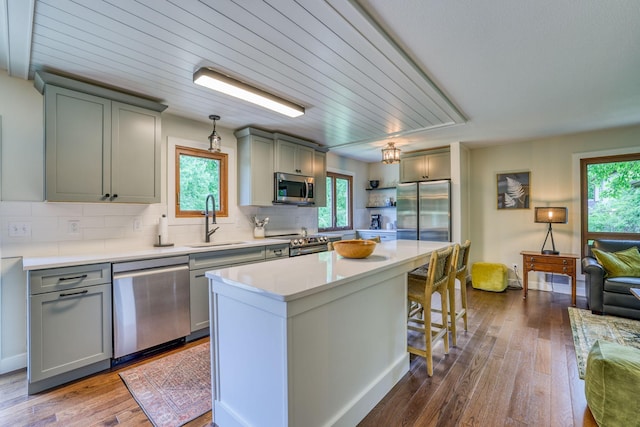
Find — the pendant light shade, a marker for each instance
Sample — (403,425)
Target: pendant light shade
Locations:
(214,139)
(390,154)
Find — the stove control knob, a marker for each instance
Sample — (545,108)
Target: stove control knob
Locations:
(294,242)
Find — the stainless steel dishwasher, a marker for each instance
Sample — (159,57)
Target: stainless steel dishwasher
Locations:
(150,303)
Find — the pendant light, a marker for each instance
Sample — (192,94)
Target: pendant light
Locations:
(390,154)
(214,138)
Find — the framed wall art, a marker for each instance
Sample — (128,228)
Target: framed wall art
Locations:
(513,190)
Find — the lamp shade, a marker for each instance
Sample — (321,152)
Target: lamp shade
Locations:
(551,215)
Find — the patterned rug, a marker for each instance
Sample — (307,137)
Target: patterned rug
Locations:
(175,389)
(587,328)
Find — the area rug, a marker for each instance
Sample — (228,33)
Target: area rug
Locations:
(175,389)
(587,328)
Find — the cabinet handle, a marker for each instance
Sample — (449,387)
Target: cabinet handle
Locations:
(564,261)
(74,293)
(114,196)
(199,276)
(84,276)
(278,252)
(106,196)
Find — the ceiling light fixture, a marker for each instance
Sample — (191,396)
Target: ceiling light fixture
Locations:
(390,154)
(222,83)
(214,139)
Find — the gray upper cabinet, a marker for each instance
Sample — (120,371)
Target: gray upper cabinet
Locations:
(320,175)
(97,147)
(262,153)
(425,167)
(294,158)
(255,167)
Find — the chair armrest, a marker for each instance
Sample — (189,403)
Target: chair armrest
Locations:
(594,283)
(591,266)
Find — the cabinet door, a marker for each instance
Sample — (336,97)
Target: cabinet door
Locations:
(412,169)
(135,165)
(304,160)
(199,299)
(320,175)
(255,171)
(439,166)
(286,157)
(77,145)
(68,330)
(13,315)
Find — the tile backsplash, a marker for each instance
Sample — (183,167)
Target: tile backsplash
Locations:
(51,229)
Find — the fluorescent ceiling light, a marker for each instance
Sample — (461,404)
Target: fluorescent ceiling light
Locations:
(222,83)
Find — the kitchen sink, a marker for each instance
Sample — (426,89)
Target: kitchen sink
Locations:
(214,244)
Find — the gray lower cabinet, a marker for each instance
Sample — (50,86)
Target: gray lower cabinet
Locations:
(199,264)
(70,324)
(370,234)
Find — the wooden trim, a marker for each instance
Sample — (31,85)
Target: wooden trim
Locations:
(223,158)
(349,178)
(585,235)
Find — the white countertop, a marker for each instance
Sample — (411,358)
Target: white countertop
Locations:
(39,263)
(291,278)
(369,230)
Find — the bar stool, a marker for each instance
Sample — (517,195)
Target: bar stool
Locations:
(461,275)
(420,291)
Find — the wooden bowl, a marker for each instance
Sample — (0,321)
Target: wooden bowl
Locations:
(354,248)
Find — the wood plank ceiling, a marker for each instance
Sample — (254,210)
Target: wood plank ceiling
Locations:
(330,56)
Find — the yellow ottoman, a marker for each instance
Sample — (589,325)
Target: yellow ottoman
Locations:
(612,384)
(489,276)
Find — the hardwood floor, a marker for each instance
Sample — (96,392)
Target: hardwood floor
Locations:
(514,367)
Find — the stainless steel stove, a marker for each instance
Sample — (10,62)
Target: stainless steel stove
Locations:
(304,245)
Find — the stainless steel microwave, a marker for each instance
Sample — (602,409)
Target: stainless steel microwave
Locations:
(293,189)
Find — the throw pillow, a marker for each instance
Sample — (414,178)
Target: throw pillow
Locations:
(624,263)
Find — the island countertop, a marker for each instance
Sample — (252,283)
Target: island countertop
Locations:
(288,279)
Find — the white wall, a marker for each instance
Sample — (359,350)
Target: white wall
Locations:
(108,227)
(500,235)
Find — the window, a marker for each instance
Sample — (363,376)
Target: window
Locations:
(338,214)
(610,197)
(199,173)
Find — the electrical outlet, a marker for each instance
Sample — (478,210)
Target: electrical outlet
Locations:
(19,229)
(73,226)
(137,225)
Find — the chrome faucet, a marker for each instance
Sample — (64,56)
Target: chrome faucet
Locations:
(207,232)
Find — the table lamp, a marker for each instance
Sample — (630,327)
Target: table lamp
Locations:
(550,216)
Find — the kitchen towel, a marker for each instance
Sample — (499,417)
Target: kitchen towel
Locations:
(163,229)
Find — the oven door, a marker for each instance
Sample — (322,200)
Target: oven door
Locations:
(293,189)
(306,250)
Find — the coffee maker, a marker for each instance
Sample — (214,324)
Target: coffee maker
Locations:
(376,222)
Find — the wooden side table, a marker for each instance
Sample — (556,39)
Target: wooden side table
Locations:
(560,264)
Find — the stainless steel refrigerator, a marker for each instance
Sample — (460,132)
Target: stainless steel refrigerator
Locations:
(424,210)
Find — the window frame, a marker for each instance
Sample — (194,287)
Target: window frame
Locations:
(349,178)
(222,210)
(585,234)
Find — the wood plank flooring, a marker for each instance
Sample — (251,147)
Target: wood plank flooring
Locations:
(515,366)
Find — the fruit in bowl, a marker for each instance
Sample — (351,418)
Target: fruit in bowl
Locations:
(374,183)
(354,248)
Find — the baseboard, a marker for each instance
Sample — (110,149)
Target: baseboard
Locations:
(13,363)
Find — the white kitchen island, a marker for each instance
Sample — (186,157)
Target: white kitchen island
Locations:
(314,340)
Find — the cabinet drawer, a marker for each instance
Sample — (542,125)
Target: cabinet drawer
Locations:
(550,268)
(68,330)
(226,257)
(279,251)
(55,279)
(548,260)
